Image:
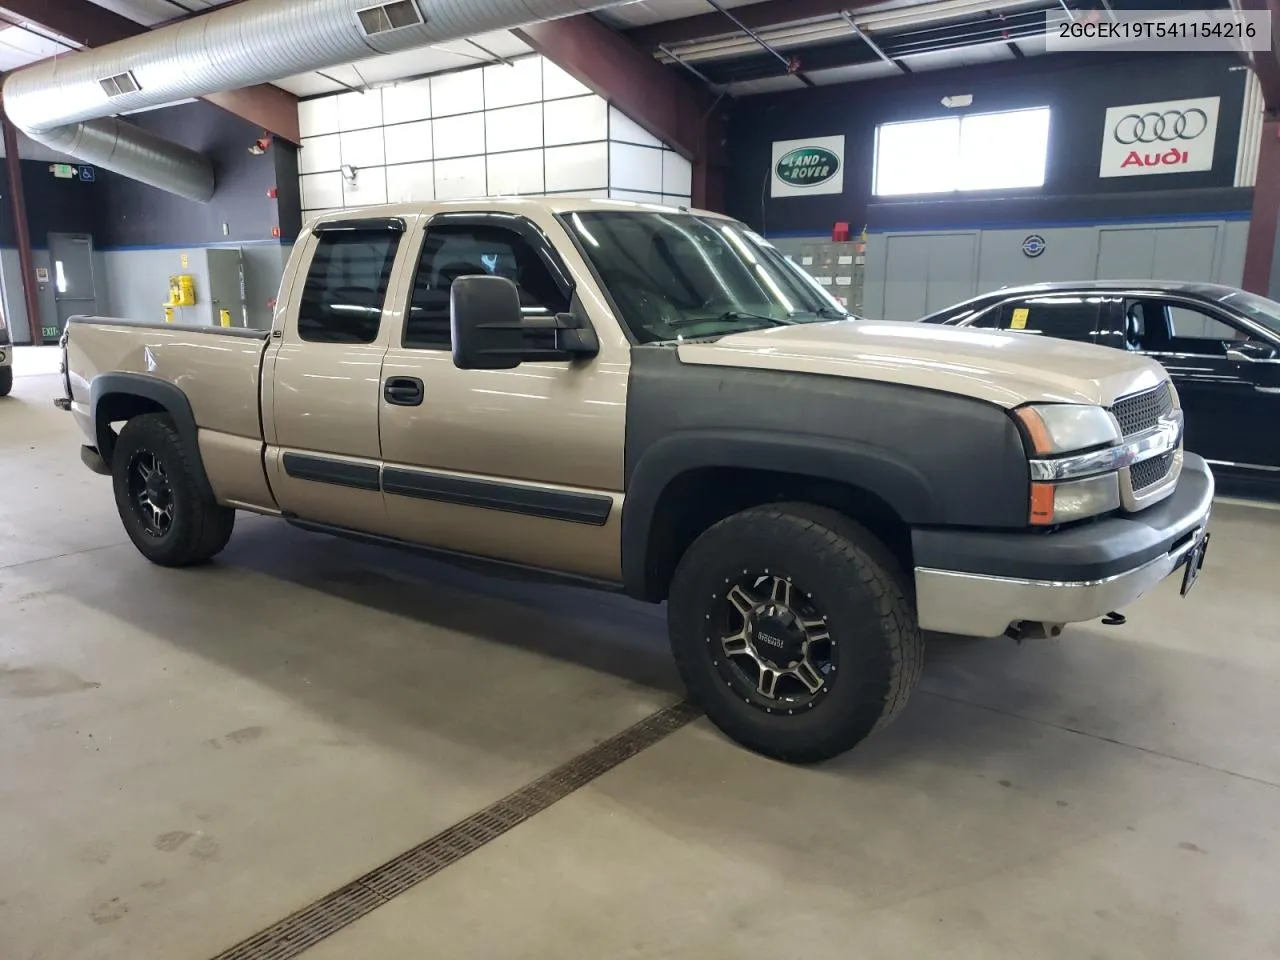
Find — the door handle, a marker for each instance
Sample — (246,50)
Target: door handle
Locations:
(403,391)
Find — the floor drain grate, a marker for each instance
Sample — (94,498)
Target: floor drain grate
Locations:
(326,916)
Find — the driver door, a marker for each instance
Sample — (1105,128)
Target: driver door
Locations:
(521,465)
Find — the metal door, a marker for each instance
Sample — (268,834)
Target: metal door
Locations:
(73,287)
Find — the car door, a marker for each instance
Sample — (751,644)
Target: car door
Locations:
(1230,413)
(521,465)
(322,382)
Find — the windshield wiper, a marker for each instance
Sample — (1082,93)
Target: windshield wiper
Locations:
(728,317)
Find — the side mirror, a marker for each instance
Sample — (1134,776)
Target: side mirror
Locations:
(1250,351)
(490,331)
(487,326)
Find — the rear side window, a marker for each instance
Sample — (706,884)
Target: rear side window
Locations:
(346,285)
(1063,318)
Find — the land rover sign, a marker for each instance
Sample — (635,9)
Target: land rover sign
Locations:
(803,168)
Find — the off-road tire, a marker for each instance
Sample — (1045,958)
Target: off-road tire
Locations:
(6,381)
(200,528)
(861,588)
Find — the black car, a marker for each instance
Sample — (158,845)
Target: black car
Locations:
(1221,346)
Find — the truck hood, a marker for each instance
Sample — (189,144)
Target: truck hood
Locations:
(1008,369)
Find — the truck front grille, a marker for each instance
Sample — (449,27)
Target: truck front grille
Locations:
(1149,472)
(1140,412)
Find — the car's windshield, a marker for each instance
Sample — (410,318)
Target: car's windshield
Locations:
(1260,310)
(675,275)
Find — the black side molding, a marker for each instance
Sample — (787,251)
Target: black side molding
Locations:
(589,508)
(340,473)
(585,508)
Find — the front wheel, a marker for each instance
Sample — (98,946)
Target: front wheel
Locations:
(160,503)
(793,627)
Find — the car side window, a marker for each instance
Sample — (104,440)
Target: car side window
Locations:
(1063,318)
(1175,328)
(452,251)
(346,285)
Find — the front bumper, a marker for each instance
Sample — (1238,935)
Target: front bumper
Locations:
(978,584)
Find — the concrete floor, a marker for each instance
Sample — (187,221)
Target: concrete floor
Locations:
(189,756)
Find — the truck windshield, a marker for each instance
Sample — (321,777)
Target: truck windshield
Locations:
(1260,310)
(678,276)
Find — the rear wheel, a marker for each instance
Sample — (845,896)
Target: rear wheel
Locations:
(6,380)
(793,627)
(159,501)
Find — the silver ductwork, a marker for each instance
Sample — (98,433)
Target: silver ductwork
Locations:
(71,103)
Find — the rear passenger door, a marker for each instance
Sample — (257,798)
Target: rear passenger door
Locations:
(521,465)
(322,383)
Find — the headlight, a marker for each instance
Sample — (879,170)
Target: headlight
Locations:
(1073,473)
(1058,428)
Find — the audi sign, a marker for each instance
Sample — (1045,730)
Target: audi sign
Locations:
(1173,136)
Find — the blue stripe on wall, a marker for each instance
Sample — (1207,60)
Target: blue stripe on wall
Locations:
(1032,224)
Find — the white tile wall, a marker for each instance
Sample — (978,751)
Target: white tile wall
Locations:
(408,142)
(519,172)
(524,129)
(515,128)
(579,167)
(461,136)
(576,120)
(405,102)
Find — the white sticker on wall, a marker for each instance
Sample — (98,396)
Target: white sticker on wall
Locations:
(1170,136)
(806,261)
(845,259)
(844,281)
(803,168)
(825,281)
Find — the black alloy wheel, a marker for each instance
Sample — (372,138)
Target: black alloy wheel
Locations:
(150,494)
(774,647)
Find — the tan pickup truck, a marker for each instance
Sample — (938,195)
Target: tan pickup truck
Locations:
(656,401)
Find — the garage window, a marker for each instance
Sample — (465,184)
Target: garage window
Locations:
(977,151)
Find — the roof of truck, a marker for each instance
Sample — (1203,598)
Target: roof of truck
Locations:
(516,205)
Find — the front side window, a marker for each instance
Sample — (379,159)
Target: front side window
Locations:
(1063,318)
(451,251)
(676,276)
(346,285)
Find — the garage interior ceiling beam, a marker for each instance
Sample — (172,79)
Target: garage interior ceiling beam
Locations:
(90,25)
(755,16)
(678,111)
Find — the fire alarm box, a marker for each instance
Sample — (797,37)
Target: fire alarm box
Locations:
(182,290)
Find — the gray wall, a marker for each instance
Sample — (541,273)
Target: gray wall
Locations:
(135,283)
(910,274)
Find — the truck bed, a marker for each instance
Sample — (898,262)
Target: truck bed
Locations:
(218,369)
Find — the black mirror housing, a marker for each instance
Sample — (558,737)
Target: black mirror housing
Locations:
(486,323)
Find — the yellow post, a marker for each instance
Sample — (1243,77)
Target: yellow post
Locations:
(225,317)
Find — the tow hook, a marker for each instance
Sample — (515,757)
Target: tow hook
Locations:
(62,403)
(1033,630)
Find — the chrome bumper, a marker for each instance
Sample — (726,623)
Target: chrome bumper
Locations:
(973,605)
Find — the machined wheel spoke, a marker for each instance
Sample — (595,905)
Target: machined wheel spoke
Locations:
(736,644)
(741,600)
(807,674)
(144,470)
(780,591)
(768,682)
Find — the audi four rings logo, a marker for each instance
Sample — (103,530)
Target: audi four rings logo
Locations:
(1167,127)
